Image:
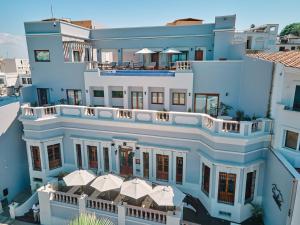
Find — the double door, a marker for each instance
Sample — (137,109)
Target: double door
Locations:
(137,100)
(126,161)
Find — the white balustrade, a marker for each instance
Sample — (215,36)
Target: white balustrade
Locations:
(200,120)
(183,65)
(146,214)
(65,197)
(101,204)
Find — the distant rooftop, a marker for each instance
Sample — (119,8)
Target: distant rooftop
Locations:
(288,58)
(185,22)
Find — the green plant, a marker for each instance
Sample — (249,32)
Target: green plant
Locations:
(257,214)
(90,219)
(293,28)
(189,110)
(224,109)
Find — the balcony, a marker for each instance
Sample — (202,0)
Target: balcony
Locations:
(112,67)
(197,120)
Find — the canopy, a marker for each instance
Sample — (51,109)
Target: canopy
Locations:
(167,196)
(79,178)
(171,51)
(107,182)
(145,51)
(136,188)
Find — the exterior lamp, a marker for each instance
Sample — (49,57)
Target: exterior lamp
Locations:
(124,92)
(145,92)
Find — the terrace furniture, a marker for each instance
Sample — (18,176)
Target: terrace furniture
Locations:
(118,199)
(138,66)
(151,66)
(124,65)
(111,66)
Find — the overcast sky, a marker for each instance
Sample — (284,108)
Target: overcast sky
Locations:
(128,13)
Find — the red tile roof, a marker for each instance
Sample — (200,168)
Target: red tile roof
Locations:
(288,58)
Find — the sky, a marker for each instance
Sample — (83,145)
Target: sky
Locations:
(131,13)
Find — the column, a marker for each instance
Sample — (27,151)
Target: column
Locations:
(125,97)
(145,98)
(44,194)
(189,101)
(120,56)
(88,97)
(82,203)
(167,99)
(122,213)
(106,96)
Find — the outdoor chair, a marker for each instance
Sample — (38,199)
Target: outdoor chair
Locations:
(151,66)
(124,65)
(137,66)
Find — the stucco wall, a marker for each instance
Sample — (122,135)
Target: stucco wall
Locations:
(14,173)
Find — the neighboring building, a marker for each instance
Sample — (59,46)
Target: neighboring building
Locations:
(15,73)
(289,43)
(134,122)
(14,176)
(262,38)
(283,161)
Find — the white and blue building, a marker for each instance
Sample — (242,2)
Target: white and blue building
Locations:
(199,119)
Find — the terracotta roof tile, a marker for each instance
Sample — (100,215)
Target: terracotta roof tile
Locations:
(289,58)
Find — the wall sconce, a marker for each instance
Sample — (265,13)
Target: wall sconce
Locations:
(189,93)
(86,91)
(145,93)
(137,148)
(191,49)
(62,89)
(124,143)
(116,152)
(226,94)
(124,92)
(119,50)
(112,144)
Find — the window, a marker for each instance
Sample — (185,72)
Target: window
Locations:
(162,167)
(179,170)
(74,97)
(157,98)
(35,157)
(291,139)
(226,190)
(117,94)
(146,165)
(282,48)
(42,55)
(183,56)
(250,186)
(206,103)
(99,93)
(1,81)
(24,80)
(54,156)
(92,155)
(79,157)
(29,81)
(76,56)
(43,96)
(178,98)
(296,104)
(106,159)
(205,179)
(293,48)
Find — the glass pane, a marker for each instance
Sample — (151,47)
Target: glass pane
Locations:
(291,139)
(212,105)
(200,102)
(71,97)
(296,105)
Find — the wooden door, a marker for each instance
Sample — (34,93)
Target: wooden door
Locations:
(137,100)
(126,162)
(199,55)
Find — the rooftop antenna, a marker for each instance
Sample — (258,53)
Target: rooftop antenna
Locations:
(51,9)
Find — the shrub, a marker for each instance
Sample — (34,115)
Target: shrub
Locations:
(90,219)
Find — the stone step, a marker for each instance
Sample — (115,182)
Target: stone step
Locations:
(5,220)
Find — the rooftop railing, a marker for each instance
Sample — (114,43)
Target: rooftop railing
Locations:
(197,120)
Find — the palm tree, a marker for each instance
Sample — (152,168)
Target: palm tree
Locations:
(90,219)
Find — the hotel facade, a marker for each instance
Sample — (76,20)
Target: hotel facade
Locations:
(199,119)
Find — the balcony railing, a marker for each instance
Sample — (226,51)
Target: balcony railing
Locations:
(198,120)
(65,197)
(146,214)
(101,204)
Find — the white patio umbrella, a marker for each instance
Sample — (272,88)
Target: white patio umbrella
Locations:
(79,178)
(167,196)
(107,182)
(145,51)
(171,51)
(136,188)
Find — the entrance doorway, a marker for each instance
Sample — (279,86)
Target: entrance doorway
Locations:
(137,100)
(43,96)
(126,161)
(199,55)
